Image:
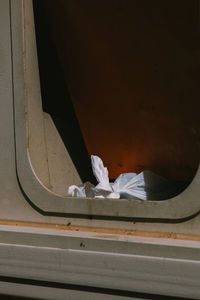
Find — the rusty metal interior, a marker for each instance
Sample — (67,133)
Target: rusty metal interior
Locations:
(121,80)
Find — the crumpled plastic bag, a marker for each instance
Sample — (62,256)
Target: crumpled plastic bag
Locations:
(145,185)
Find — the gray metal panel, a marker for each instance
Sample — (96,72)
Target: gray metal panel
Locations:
(7,155)
(40,255)
(10,195)
(136,273)
(13,205)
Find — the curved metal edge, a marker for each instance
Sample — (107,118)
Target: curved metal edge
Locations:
(179,208)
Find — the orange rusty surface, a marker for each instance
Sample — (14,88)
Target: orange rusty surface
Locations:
(103,232)
(133,69)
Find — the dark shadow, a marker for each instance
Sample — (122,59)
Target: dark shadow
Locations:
(85,288)
(159,188)
(56,99)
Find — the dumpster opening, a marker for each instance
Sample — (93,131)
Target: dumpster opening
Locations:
(121,80)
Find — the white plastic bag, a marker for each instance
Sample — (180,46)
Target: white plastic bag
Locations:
(145,185)
(103,188)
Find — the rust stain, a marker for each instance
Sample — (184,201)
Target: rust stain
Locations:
(106,236)
(105,232)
